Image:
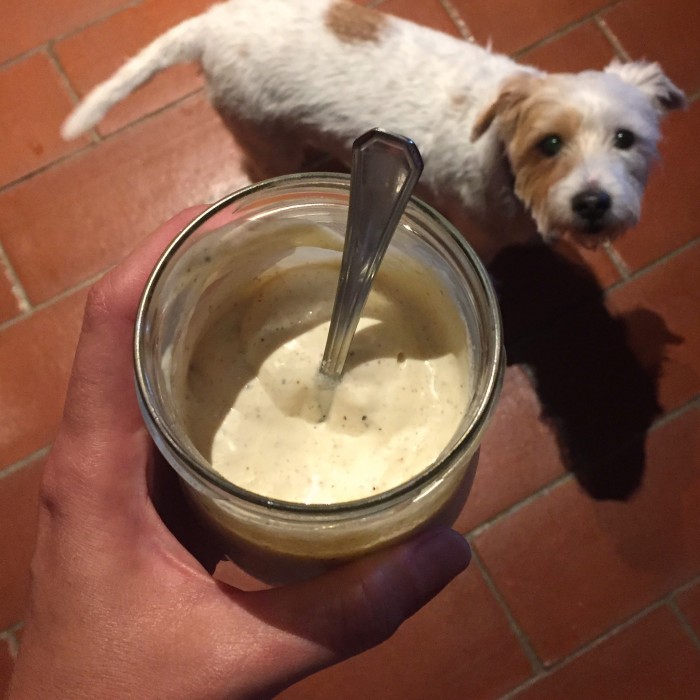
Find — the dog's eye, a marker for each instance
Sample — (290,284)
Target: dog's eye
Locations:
(551,145)
(624,139)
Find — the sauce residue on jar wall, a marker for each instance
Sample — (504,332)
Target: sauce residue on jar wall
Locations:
(255,409)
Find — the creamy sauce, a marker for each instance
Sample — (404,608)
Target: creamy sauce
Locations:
(256,409)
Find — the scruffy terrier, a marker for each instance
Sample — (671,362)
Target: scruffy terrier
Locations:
(509,150)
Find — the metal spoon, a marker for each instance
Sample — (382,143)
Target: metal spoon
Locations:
(385,169)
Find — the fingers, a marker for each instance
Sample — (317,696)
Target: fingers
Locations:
(100,395)
(102,440)
(360,605)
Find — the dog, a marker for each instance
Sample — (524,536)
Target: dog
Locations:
(510,151)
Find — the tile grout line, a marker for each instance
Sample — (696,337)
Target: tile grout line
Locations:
(556,34)
(535,496)
(16,286)
(53,58)
(152,115)
(569,476)
(612,38)
(589,646)
(686,586)
(92,134)
(10,635)
(690,405)
(25,56)
(675,413)
(8,63)
(666,600)
(617,261)
(15,467)
(673,604)
(458,20)
(649,267)
(43,168)
(514,692)
(56,298)
(683,621)
(562,31)
(453,13)
(128,5)
(525,644)
(103,139)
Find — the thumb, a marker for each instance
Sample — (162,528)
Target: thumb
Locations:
(360,605)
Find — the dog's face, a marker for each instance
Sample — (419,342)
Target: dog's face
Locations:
(580,145)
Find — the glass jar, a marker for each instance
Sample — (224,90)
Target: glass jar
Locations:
(280,541)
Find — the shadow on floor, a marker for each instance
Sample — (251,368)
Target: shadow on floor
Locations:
(591,385)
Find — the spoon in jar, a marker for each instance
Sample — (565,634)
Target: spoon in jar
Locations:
(385,169)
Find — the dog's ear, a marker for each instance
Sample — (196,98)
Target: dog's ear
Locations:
(652,81)
(511,95)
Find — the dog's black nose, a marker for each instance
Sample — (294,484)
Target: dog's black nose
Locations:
(591,205)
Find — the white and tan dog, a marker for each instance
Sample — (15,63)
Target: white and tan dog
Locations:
(503,144)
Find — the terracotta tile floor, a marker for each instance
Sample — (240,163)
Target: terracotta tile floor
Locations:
(585,515)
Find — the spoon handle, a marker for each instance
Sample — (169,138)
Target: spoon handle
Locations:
(385,169)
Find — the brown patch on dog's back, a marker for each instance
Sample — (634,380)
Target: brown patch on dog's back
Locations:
(354,24)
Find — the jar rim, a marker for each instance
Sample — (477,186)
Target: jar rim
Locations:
(495,360)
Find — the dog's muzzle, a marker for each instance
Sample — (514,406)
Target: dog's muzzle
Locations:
(590,206)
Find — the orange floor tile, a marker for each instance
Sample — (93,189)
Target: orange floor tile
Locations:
(585,513)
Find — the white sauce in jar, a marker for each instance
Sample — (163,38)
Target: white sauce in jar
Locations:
(255,408)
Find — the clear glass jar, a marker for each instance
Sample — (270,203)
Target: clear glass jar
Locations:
(280,541)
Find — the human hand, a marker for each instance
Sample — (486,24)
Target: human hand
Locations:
(119,608)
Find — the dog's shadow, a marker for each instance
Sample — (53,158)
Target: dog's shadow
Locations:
(591,385)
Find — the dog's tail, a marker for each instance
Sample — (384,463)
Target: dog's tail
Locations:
(181,43)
